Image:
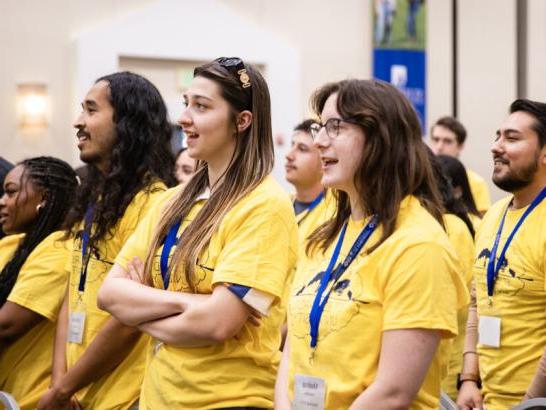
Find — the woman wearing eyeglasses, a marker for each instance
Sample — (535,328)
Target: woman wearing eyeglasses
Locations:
(214,256)
(377,287)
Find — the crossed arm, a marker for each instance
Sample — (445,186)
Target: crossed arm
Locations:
(175,318)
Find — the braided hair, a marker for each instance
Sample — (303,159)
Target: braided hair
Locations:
(58,181)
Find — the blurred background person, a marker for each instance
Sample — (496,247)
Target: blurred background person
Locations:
(33,277)
(184,166)
(447,137)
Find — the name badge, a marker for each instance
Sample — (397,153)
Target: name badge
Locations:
(76,326)
(489,331)
(309,393)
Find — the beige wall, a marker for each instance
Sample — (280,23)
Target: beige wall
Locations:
(333,37)
(536,57)
(35,46)
(486,72)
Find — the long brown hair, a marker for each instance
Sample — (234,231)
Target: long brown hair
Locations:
(394,162)
(252,161)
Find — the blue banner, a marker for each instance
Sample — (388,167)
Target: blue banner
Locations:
(406,70)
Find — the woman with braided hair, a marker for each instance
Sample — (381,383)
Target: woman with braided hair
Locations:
(37,195)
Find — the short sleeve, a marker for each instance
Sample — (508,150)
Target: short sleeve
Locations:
(42,280)
(423,289)
(140,240)
(259,249)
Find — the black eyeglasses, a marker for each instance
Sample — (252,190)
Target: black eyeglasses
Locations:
(331,126)
(236,67)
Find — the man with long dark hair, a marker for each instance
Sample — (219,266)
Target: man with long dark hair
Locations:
(123,135)
(509,272)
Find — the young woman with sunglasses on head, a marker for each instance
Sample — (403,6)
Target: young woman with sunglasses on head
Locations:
(215,257)
(37,195)
(377,287)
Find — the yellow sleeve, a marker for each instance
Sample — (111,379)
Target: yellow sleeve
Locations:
(140,239)
(422,289)
(480,191)
(260,248)
(42,280)
(139,208)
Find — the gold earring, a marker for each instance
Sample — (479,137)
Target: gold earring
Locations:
(38,208)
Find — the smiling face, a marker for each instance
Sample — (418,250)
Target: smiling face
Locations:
(208,123)
(303,166)
(517,155)
(340,156)
(18,205)
(96,129)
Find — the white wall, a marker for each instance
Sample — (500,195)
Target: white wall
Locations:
(536,50)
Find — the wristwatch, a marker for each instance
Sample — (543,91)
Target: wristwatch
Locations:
(464,377)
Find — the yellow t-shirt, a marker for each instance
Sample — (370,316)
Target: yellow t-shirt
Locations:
(479,190)
(463,243)
(120,388)
(519,300)
(308,221)
(255,246)
(25,366)
(410,281)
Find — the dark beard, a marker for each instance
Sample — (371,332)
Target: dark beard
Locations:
(516,181)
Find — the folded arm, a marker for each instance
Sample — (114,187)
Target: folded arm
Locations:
(134,303)
(216,319)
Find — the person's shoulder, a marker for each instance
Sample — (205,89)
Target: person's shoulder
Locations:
(497,208)
(474,177)
(11,240)
(268,193)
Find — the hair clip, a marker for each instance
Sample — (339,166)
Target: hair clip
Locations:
(244,78)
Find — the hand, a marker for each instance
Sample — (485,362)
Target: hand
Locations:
(53,399)
(135,271)
(255,317)
(75,404)
(469,397)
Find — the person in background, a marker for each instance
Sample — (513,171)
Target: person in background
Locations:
(37,195)
(378,285)
(123,135)
(456,173)
(304,171)
(509,272)
(447,137)
(184,166)
(460,231)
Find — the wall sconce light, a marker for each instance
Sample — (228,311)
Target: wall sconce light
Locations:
(32,106)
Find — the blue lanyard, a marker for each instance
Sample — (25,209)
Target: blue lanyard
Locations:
(170,241)
(492,268)
(320,302)
(312,206)
(88,222)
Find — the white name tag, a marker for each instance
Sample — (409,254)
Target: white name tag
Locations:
(309,393)
(489,331)
(76,326)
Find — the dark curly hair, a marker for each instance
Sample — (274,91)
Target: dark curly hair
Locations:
(140,156)
(59,182)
